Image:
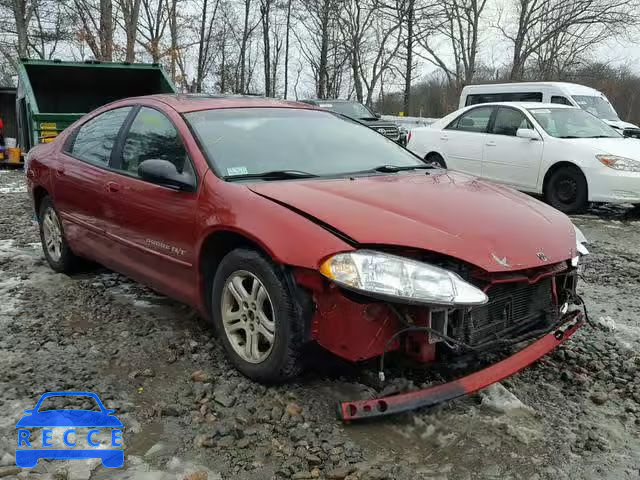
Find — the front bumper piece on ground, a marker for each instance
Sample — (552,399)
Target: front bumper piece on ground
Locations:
(428,397)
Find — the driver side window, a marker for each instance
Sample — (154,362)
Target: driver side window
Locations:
(153,136)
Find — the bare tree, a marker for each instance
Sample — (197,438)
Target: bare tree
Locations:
(265,9)
(458,23)
(96,26)
(286,49)
(205,53)
(152,26)
(540,22)
(130,15)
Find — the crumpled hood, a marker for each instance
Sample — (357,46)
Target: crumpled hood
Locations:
(492,227)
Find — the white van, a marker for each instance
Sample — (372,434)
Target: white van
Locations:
(586,98)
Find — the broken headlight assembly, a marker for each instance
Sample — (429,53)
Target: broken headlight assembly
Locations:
(581,248)
(400,279)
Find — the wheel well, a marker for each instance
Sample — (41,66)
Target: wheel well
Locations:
(555,167)
(213,250)
(38,194)
(434,154)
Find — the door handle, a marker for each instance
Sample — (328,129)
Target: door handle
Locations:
(59,172)
(491,144)
(112,187)
(444,137)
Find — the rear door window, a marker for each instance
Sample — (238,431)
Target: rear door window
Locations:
(508,121)
(153,136)
(95,139)
(475,120)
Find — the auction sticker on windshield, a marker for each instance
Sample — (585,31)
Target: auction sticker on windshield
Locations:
(69,433)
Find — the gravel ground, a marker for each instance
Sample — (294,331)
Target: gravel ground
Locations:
(188,415)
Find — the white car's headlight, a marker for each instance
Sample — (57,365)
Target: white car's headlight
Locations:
(619,163)
(580,246)
(399,278)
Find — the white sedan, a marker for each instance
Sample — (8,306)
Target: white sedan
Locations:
(561,152)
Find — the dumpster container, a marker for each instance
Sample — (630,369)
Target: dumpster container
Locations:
(51,95)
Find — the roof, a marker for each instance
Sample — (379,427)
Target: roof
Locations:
(328,100)
(184,103)
(527,105)
(574,88)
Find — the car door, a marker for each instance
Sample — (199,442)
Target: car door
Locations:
(510,159)
(463,139)
(153,224)
(80,174)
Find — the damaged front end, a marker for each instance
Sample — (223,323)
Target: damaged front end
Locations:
(469,312)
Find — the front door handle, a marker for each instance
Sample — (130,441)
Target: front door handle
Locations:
(113,187)
(59,172)
(444,137)
(491,144)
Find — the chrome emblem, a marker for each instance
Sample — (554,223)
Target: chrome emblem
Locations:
(542,256)
(381,130)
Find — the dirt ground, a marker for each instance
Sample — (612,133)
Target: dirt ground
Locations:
(187,414)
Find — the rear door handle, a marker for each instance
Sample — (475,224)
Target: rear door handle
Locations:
(113,187)
(491,144)
(59,172)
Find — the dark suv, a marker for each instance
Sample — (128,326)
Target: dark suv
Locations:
(362,114)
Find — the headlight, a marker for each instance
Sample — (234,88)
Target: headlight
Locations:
(619,163)
(400,279)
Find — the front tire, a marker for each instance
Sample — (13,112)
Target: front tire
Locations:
(54,243)
(257,317)
(436,159)
(567,190)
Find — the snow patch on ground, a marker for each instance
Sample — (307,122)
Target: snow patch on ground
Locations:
(17,186)
(498,398)
(606,323)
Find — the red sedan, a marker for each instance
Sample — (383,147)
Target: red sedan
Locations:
(286,225)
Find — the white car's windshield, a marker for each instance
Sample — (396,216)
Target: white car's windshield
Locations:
(598,106)
(572,123)
(251,141)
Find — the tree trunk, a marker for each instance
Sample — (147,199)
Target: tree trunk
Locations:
(106,30)
(131,13)
(286,51)
(173,30)
(323,72)
(243,47)
(200,69)
(22,20)
(408,72)
(264,10)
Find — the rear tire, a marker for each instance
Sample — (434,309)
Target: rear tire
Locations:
(54,243)
(567,190)
(257,317)
(436,159)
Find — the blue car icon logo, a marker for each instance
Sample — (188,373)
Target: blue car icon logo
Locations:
(98,423)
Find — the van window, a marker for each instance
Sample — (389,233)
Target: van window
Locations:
(504,97)
(560,99)
(475,120)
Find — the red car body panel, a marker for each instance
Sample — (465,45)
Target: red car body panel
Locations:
(494,228)
(157,235)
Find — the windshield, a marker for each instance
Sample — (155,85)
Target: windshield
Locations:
(572,123)
(350,109)
(247,141)
(597,106)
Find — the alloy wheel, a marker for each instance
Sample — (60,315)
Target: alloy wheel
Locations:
(52,234)
(248,316)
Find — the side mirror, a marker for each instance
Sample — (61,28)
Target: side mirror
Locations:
(377,114)
(528,133)
(165,173)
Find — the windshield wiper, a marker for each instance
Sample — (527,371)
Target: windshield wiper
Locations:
(397,168)
(570,136)
(273,175)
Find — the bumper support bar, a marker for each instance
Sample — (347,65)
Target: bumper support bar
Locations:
(428,397)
